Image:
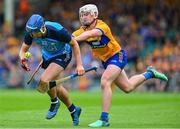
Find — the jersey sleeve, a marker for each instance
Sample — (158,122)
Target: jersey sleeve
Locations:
(63,36)
(28,39)
(77,32)
(103,28)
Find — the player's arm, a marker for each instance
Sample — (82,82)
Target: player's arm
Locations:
(23,59)
(77,54)
(64,36)
(24,48)
(88,34)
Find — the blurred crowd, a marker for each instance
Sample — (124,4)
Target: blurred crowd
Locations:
(148,30)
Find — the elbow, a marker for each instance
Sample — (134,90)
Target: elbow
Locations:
(90,35)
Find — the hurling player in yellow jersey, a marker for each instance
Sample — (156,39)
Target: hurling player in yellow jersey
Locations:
(98,35)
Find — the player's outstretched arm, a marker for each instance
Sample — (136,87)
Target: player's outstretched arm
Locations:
(23,59)
(88,34)
(77,54)
(23,50)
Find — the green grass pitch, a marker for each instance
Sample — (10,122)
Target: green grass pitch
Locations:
(27,109)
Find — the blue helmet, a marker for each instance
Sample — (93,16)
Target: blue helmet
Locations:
(34,23)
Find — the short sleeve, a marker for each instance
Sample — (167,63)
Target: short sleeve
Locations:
(77,32)
(64,36)
(103,28)
(28,39)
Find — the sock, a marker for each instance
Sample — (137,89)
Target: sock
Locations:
(55,100)
(72,108)
(104,116)
(53,104)
(148,75)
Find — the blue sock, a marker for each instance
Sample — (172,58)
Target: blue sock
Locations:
(104,116)
(72,108)
(148,75)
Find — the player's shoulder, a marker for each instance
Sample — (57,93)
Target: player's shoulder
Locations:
(102,26)
(53,25)
(101,23)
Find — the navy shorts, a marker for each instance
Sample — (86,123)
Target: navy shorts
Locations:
(62,60)
(119,59)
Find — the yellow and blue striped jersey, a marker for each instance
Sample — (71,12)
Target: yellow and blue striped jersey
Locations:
(104,46)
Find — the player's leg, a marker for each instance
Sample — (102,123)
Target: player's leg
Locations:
(128,85)
(50,73)
(113,67)
(75,111)
(62,93)
(109,75)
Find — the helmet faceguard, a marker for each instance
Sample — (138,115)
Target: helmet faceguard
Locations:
(89,8)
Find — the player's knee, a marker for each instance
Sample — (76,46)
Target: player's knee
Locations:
(41,82)
(42,86)
(127,89)
(43,79)
(104,83)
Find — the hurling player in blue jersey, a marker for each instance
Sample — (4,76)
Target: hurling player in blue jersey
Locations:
(56,45)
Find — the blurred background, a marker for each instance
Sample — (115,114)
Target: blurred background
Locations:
(149,30)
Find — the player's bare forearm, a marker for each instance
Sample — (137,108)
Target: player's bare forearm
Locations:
(83,36)
(23,50)
(88,34)
(77,54)
(22,56)
(76,51)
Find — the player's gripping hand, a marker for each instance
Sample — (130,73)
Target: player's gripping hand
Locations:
(24,64)
(80,70)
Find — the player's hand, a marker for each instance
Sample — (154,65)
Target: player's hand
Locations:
(80,70)
(24,64)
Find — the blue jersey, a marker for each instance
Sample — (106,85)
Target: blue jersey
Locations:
(54,43)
